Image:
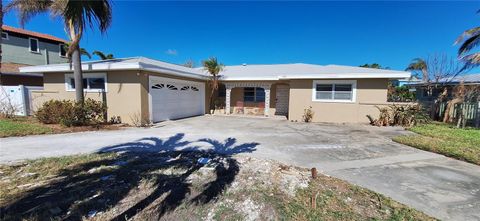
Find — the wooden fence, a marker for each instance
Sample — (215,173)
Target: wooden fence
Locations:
(472,112)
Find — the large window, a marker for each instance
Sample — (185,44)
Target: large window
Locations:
(253,94)
(91,82)
(33,42)
(334,91)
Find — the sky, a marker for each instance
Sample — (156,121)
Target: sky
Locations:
(343,33)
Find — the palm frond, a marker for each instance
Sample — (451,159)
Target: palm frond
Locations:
(471,61)
(417,64)
(80,14)
(212,66)
(467,34)
(469,44)
(84,51)
(103,56)
(28,8)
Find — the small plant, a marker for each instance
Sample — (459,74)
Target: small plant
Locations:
(140,120)
(399,115)
(308,114)
(69,113)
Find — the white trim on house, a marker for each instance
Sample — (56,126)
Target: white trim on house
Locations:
(351,82)
(6,35)
(30,45)
(135,63)
(68,86)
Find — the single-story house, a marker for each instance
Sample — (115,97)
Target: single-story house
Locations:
(424,93)
(161,91)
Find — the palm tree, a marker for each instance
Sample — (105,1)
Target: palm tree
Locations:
(419,64)
(102,55)
(213,67)
(469,39)
(83,51)
(76,16)
(1,30)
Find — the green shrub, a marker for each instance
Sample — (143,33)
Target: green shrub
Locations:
(69,113)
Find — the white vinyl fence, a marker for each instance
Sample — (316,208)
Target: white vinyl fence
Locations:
(17,97)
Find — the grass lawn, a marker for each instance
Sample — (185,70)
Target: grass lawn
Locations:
(462,144)
(172,186)
(21,126)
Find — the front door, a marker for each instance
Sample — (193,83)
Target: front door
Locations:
(281,100)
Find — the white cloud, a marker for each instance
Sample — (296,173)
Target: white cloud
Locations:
(171,52)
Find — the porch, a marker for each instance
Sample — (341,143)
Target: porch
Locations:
(253,98)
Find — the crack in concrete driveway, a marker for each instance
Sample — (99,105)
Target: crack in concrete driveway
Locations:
(441,187)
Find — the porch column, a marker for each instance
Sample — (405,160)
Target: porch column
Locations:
(267,99)
(227,98)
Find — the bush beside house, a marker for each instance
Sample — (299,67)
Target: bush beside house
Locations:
(69,113)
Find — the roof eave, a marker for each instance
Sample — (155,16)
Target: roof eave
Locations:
(348,76)
(89,67)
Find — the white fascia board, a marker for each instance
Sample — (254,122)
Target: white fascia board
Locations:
(348,76)
(249,79)
(158,69)
(111,67)
(85,67)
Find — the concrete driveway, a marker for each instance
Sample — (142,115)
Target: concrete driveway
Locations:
(441,187)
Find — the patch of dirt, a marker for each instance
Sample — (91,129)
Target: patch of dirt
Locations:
(58,129)
(179,186)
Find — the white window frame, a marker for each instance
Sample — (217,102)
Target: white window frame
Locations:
(68,86)
(30,45)
(351,82)
(6,34)
(60,51)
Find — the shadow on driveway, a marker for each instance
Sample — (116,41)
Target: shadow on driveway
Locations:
(99,185)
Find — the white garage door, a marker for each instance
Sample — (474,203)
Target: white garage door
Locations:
(174,99)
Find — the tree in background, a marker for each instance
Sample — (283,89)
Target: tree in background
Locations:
(76,16)
(189,63)
(469,40)
(419,65)
(102,55)
(373,65)
(213,67)
(83,51)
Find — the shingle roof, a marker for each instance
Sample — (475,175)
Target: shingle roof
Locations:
(230,73)
(305,71)
(32,33)
(468,78)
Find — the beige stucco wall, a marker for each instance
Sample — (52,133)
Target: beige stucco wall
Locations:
(126,96)
(370,92)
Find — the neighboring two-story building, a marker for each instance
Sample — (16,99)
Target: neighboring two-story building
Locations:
(22,48)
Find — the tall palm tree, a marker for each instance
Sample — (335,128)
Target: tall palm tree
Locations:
(1,30)
(213,67)
(102,55)
(470,39)
(419,64)
(76,16)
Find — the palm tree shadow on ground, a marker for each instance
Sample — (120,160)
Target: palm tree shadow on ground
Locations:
(76,191)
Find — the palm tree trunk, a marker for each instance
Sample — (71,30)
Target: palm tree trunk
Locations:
(77,74)
(1,24)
